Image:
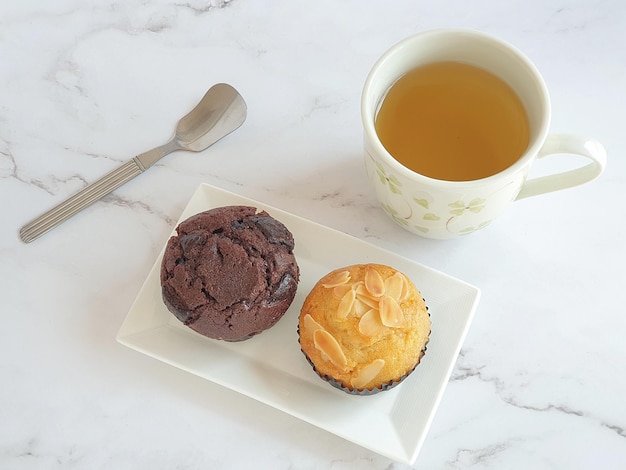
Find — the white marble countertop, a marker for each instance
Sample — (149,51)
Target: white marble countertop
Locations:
(86,84)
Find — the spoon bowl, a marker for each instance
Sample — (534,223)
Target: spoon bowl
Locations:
(220,111)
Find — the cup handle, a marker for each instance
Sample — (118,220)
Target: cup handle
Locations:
(572,144)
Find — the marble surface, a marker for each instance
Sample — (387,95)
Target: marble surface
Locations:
(87,84)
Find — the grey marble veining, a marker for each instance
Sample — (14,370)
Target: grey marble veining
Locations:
(85,85)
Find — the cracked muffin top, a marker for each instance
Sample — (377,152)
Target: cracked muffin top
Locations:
(364,328)
(230,272)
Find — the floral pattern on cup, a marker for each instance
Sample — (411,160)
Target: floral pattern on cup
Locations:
(424,212)
(390,180)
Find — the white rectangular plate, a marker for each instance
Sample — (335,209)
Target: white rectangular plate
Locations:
(271,368)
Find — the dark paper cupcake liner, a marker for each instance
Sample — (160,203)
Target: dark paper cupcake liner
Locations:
(364,392)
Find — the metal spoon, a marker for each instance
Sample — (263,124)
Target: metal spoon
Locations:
(219,112)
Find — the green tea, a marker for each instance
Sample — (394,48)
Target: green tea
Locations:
(453,121)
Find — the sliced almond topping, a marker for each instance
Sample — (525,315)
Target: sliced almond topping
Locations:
(368,373)
(360,307)
(374,282)
(370,324)
(346,303)
(340,291)
(405,288)
(337,279)
(390,313)
(360,289)
(310,324)
(364,296)
(330,348)
(394,286)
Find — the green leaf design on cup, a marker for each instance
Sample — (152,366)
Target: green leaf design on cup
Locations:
(468,230)
(382,177)
(391,180)
(394,214)
(458,208)
(474,206)
(421,202)
(431,216)
(394,184)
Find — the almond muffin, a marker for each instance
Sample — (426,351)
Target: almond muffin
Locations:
(364,328)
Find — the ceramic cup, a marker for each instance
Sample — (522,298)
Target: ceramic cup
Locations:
(446,209)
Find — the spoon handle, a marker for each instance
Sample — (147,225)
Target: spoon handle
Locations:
(85,197)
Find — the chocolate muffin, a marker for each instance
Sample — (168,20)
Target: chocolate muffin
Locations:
(230,272)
